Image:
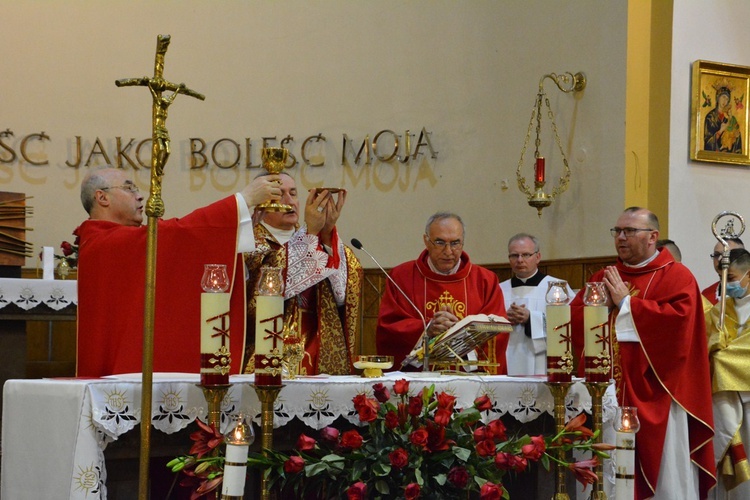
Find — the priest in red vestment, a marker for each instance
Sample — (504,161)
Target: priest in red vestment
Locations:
(323,280)
(660,360)
(112,267)
(446,287)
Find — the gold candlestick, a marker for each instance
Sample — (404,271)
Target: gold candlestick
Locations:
(214,395)
(267,395)
(597,390)
(559,390)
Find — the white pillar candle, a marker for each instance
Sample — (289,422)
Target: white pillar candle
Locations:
(269,341)
(48,263)
(235,470)
(596,343)
(625,466)
(559,347)
(215,355)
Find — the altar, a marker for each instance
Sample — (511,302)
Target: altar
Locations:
(61,427)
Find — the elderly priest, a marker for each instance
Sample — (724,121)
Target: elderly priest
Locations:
(111,274)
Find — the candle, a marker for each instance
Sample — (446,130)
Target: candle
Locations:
(596,343)
(559,339)
(238,439)
(597,360)
(48,263)
(215,356)
(269,327)
(559,357)
(539,170)
(626,425)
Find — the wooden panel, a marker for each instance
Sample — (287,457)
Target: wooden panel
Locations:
(13,246)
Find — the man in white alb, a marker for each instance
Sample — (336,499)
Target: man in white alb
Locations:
(525,306)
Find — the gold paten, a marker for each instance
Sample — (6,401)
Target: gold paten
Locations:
(154,210)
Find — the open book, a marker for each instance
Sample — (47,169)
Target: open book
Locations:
(460,340)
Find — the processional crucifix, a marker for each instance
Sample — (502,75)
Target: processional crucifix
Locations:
(160,150)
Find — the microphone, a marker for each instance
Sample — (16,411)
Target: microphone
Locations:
(425,367)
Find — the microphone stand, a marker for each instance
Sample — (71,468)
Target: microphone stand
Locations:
(425,338)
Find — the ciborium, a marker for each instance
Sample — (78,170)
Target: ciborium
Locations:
(274,161)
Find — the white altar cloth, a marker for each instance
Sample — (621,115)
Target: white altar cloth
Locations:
(28,294)
(57,429)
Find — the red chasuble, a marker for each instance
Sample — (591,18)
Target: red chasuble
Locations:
(670,363)
(471,290)
(111,287)
(710,293)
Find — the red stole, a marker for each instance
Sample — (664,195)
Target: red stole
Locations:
(471,290)
(670,363)
(111,285)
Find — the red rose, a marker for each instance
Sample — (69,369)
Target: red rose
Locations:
(305,443)
(446,401)
(491,491)
(368,412)
(401,387)
(443,417)
(359,401)
(497,429)
(509,461)
(357,491)
(415,406)
(483,403)
(459,477)
(482,433)
(329,435)
(294,465)
(381,393)
(391,420)
(535,449)
(399,458)
(412,491)
(419,438)
(403,413)
(351,439)
(486,448)
(67,248)
(436,438)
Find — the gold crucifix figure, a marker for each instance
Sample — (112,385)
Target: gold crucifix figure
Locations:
(154,210)
(160,148)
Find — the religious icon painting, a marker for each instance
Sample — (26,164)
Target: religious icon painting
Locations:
(719,113)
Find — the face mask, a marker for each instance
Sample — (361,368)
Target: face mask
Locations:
(735,290)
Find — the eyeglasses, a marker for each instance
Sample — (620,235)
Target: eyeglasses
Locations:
(715,255)
(525,256)
(125,187)
(629,232)
(441,244)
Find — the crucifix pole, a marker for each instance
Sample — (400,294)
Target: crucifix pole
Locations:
(160,150)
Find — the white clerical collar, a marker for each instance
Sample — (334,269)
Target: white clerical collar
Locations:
(436,271)
(523,280)
(645,262)
(281,235)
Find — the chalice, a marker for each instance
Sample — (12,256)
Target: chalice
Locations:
(274,161)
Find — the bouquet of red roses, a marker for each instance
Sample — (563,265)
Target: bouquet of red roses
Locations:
(419,446)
